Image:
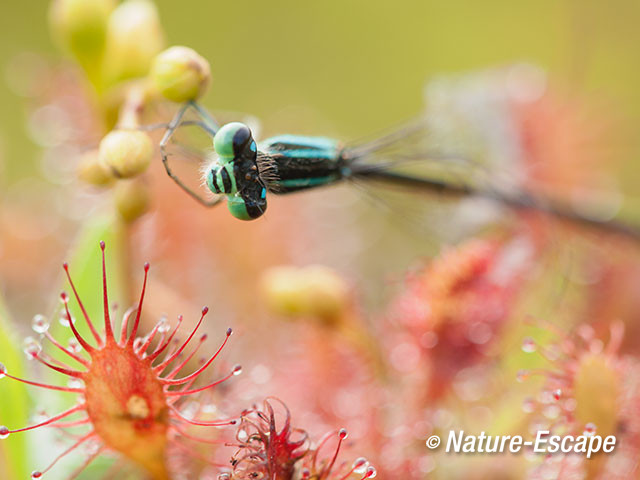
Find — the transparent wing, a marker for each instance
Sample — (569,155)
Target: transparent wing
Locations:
(492,139)
(449,159)
(186,145)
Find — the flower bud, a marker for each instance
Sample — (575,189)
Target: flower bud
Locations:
(315,291)
(134,38)
(126,153)
(280,288)
(94,172)
(79,26)
(180,74)
(131,199)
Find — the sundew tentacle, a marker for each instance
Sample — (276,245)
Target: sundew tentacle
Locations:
(45,385)
(94,332)
(83,439)
(175,413)
(136,323)
(125,325)
(108,328)
(179,393)
(57,344)
(175,354)
(163,345)
(182,380)
(149,339)
(184,361)
(4,431)
(65,301)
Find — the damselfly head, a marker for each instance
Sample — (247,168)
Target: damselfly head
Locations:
(235,173)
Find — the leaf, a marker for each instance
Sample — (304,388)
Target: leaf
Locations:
(14,405)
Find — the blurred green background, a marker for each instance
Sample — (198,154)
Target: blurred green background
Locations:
(351,67)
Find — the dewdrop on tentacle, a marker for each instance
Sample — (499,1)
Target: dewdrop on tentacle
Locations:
(40,324)
(128,390)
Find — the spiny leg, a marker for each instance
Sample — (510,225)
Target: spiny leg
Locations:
(171,128)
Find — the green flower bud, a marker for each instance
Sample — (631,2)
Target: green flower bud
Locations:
(131,199)
(134,38)
(94,172)
(180,74)
(79,26)
(126,153)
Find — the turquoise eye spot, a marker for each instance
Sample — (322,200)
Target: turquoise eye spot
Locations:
(223,140)
(238,208)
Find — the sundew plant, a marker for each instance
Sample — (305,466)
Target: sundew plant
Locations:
(290,241)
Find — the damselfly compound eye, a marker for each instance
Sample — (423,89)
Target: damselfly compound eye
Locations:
(231,140)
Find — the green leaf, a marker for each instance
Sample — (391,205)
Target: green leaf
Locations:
(14,403)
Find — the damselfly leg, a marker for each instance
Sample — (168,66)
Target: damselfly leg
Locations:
(208,125)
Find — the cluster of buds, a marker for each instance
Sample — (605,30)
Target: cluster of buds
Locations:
(120,49)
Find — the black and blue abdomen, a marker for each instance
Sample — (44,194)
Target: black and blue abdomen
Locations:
(296,162)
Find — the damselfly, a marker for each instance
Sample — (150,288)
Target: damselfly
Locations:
(245,172)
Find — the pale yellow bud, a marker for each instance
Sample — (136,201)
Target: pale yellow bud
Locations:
(180,74)
(126,153)
(326,292)
(314,291)
(280,287)
(79,26)
(94,172)
(134,38)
